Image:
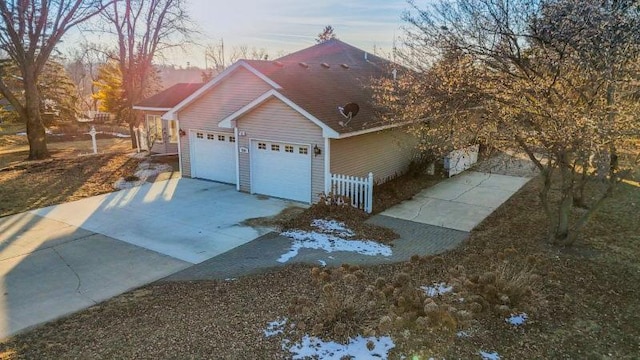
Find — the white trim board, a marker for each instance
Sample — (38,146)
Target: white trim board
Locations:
(146,108)
(226,122)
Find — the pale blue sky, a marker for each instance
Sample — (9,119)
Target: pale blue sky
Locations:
(290,25)
(281,26)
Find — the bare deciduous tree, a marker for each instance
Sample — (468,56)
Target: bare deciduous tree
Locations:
(144,28)
(30,31)
(83,63)
(216,56)
(554,80)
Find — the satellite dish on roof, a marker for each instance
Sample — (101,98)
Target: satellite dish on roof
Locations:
(349,111)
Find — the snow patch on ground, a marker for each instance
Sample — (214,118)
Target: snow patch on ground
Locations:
(145,171)
(331,236)
(275,327)
(517,319)
(139,155)
(332,227)
(118,135)
(489,355)
(358,348)
(330,243)
(436,289)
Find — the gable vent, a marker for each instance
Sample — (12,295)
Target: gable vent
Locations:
(304,65)
(325,65)
(344,66)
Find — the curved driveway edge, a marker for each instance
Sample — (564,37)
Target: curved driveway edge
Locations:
(261,254)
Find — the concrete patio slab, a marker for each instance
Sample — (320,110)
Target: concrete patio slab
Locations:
(459,203)
(191,220)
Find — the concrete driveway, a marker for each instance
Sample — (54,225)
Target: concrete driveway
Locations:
(58,260)
(460,202)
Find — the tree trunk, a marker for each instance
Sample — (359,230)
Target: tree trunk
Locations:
(547,175)
(133,136)
(35,128)
(578,196)
(566,201)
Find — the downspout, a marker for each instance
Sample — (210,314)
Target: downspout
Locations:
(179,145)
(327,165)
(235,133)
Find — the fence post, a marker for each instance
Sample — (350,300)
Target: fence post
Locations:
(369,203)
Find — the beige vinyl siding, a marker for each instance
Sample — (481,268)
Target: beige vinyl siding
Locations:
(384,153)
(276,121)
(238,89)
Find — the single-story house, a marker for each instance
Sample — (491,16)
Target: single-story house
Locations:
(282,127)
(163,133)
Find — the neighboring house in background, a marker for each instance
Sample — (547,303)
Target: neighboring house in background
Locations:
(164,133)
(275,128)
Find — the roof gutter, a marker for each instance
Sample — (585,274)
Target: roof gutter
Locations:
(379,128)
(147,108)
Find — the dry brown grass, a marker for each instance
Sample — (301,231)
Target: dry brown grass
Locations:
(16,152)
(582,303)
(35,184)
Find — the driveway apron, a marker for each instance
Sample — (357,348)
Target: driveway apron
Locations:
(64,258)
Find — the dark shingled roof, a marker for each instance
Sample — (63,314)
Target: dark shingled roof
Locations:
(170,97)
(333,74)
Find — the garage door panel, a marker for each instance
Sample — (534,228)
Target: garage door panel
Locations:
(281,170)
(214,156)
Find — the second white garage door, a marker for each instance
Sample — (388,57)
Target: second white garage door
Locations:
(213,156)
(281,170)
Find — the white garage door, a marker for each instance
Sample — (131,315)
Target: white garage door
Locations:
(213,156)
(281,170)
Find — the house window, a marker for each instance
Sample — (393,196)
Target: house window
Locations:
(210,137)
(303,150)
(232,139)
(288,148)
(154,128)
(200,135)
(262,146)
(275,147)
(173,131)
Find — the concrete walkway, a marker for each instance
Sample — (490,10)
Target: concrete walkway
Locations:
(459,203)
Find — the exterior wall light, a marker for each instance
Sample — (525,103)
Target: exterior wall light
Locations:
(316,150)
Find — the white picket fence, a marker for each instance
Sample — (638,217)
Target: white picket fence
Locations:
(358,189)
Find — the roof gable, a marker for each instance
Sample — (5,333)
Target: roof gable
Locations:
(326,76)
(171,114)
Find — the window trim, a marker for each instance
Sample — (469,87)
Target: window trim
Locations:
(173,131)
(155,118)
